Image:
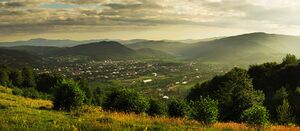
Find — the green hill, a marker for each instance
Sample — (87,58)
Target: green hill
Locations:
(152,53)
(18,58)
(45,42)
(38,50)
(245,49)
(173,48)
(99,50)
(241,49)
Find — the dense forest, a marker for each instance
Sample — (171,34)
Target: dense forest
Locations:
(261,95)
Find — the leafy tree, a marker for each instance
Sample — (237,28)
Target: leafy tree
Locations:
(99,96)
(234,92)
(48,82)
(205,110)
(68,95)
(156,108)
(87,90)
(284,113)
(126,100)
(4,79)
(16,78)
(255,115)
(289,59)
(28,77)
(17,91)
(178,108)
(281,94)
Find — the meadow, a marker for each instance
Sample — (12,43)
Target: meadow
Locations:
(19,113)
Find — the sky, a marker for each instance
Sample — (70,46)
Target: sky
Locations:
(145,19)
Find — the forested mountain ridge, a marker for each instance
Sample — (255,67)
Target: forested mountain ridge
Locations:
(246,48)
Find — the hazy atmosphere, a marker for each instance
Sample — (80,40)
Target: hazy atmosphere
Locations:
(157,65)
(145,19)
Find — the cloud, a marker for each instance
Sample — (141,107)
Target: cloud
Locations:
(35,16)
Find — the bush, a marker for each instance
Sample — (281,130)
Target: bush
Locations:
(17,91)
(4,79)
(156,108)
(284,113)
(126,100)
(47,82)
(16,78)
(234,92)
(255,115)
(68,95)
(28,77)
(205,109)
(30,93)
(178,108)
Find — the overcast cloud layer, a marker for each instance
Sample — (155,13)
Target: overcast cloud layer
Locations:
(33,17)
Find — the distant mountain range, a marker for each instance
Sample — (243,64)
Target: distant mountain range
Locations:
(61,43)
(70,43)
(96,51)
(241,49)
(246,48)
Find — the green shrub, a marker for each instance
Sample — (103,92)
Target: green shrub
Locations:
(31,93)
(17,91)
(255,115)
(205,110)
(126,100)
(4,79)
(28,77)
(68,95)
(156,108)
(16,78)
(284,113)
(48,82)
(178,108)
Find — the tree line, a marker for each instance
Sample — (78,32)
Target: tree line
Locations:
(272,88)
(263,94)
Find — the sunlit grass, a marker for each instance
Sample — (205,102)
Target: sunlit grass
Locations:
(19,113)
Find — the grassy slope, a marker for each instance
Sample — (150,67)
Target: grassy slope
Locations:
(19,113)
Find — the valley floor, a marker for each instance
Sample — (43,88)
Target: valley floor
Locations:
(19,113)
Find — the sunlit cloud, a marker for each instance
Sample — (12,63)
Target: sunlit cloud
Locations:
(58,16)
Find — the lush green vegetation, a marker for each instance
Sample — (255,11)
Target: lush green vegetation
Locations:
(262,95)
(256,115)
(205,110)
(271,85)
(35,114)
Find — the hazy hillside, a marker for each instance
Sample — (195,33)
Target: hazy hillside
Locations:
(241,49)
(173,48)
(17,58)
(245,49)
(104,49)
(39,50)
(148,52)
(45,42)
